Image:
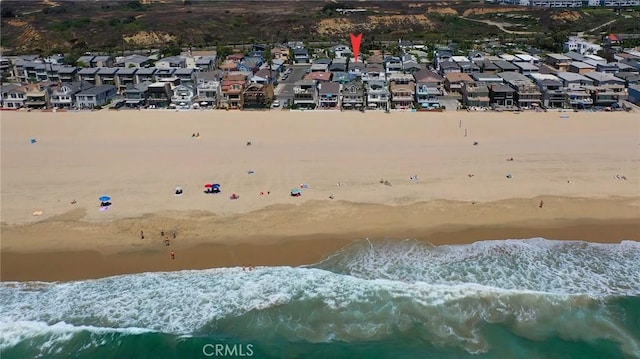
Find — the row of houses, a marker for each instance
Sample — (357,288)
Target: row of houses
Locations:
(423,89)
(231,90)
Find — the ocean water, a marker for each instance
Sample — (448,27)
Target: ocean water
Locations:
(529,298)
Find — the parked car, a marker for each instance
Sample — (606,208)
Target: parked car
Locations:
(275,104)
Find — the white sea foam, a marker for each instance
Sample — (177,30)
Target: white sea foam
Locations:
(318,305)
(12,333)
(567,267)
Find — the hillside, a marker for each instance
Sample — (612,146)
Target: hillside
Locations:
(49,26)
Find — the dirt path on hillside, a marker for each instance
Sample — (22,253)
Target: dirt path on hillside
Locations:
(501,26)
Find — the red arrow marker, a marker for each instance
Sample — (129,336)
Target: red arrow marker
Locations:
(355,45)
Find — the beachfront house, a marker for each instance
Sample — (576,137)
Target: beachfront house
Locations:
(13,96)
(427,96)
(527,94)
(378,95)
(38,96)
(186,75)
(135,96)
(208,93)
(182,96)
(352,94)
(553,94)
(95,97)
(607,89)
(305,94)
(475,95)
(455,81)
(233,86)
(159,95)
(64,96)
(328,95)
(258,96)
(501,95)
(403,90)
(575,86)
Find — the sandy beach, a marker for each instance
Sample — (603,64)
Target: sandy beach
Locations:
(462,194)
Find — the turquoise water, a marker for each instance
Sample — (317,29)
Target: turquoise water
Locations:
(532,298)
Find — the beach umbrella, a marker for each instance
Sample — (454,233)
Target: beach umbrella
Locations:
(104,198)
(208,185)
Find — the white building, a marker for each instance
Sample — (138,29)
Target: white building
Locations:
(581,46)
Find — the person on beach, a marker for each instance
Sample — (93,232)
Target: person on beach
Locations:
(173,255)
(541,204)
(166,241)
(162,233)
(141,235)
(174,235)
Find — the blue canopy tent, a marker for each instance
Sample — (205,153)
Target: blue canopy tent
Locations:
(215,188)
(296,192)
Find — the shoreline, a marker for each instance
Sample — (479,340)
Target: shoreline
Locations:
(70,253)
